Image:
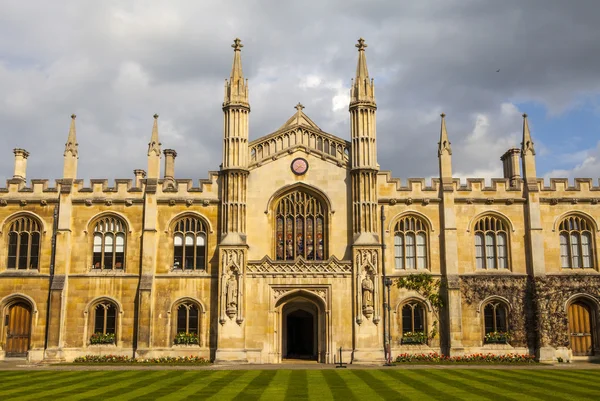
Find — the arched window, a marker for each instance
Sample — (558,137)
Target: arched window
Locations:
(495,317)
(576,243)
(413,323)
(300,227)
(24,243)
(189,244)
(105,319)
(109,243)
(411,243)
(491,243)
(187,318)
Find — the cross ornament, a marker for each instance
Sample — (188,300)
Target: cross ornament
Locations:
(299,106)
(361,44)
(237,44)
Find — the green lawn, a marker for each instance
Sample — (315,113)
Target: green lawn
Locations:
(346,385)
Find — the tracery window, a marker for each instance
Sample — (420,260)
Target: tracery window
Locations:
(495,315)
(576,243)
(189,244)
(109,243)
(24,243)
(105,319)
(413,317)
(300,227)
(491,243)
(410,243)
(187,318)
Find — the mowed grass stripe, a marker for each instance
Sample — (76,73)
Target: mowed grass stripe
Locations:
(197,381)
(581,374)
(169,384)
(50,386)
(65,391)
(552,381)
(337,386)
(145,378)
(278,386)
(469,385)
(297,386)
(444,385)
(258,385)
(119,379)
(416,390)
(487,377)
(550,391)
(431,389)
(571,380)
(216,385)
(17,376)
(234,389)
(26,379)
(16,389)
(380,385)
(359,388)
(318,389)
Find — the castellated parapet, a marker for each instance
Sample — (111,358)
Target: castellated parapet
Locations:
(298,228)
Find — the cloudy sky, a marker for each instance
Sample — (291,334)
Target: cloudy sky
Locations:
(116,63)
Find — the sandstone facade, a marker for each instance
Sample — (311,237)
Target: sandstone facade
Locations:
(283,252)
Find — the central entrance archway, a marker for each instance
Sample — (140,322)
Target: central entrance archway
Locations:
(302,327)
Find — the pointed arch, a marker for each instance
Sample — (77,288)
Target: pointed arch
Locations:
(94,219)
(578,213)
(495,213)
(171,224)
(11,217)
(422,216)
(299,186)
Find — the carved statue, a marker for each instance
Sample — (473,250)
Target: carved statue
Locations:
(231,292)
(367,293)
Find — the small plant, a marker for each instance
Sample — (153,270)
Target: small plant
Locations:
(416,337)
(99,338)
(559,360)
(186,338)
(434,357)
(497,337)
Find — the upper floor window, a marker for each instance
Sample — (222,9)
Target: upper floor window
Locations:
(300,227)
(410,243)
(24,243)
(576,243)
(109,243)
(491,243)
(189,244)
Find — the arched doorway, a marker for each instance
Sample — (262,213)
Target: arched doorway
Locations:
(301,327)
(17,321)
(581,328)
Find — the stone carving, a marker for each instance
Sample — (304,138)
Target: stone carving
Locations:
(301,266)
(88,202)
(366,266)
(475,289)
(23,202)
(3,202)
(128,202)
(232,285)
(43,202)
(189,202)
(279,292)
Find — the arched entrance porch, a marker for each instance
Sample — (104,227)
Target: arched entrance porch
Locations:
(302,324)
(17,322)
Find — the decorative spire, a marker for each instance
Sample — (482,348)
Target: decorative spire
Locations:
(527,144)
(361,68)
(444,143)
(72,146)
(363,88)
(154,145)
(236,89)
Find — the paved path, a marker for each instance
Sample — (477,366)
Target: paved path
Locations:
(22,364)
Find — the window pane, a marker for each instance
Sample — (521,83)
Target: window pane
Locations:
(406,319)
(575,260)
(189,239)
(181,319)
(421,251)
(193,322)
(108,251)
(189,251)
(479,250)
(410,251)
(200,250)
(200,240)
(23,248)
(111,319)
(501,316)
(120,251)
(419,323)
(399,251)
(178,240)
(178,251)
(586,249)
(35,250)
(502,251)
(279,239)
(13,239)
(564,250)
(488,317)
(490,254)
(99,320)
(320,243)
(289,238)
(299,237)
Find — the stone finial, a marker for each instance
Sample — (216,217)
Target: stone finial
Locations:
(361,45)
(299,107)
(237,45)
(444,145)
(154,144)
(527,144)
(72,146)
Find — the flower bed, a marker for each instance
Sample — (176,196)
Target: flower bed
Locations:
(186,338)
(417,337)
(120,359)
(99,338)
(434,357)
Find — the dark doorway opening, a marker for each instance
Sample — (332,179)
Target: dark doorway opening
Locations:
(300,335)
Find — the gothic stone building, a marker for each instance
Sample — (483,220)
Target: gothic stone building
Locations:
(283,253)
